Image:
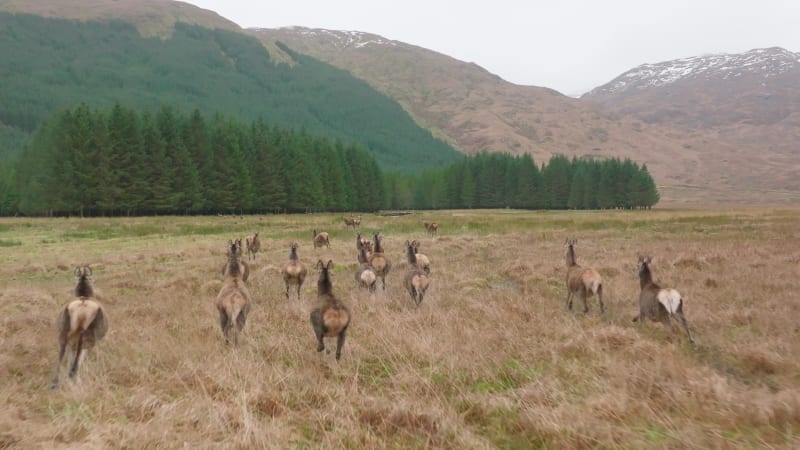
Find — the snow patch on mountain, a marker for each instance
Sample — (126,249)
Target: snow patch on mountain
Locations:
(343,39)
(765,62)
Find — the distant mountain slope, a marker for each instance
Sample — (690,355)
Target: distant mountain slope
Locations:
(50,64)
(746,104)
(479,111)
(759,87)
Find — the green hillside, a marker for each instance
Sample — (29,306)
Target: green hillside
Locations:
(51,64)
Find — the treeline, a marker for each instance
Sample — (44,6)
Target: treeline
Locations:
(122,162)
(495,180)
(51,64)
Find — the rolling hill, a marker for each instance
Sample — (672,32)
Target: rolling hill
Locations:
(478,111)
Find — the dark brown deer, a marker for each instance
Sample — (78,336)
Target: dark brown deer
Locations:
(233,300)
(378,260)
(81,324)
(581,281)
(416,280)
(330,317)
(657,303)
(294,273)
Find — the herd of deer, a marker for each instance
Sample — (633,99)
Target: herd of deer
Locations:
(82,323)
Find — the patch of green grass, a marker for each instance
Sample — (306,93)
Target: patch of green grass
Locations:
(502,426)
(376,371)
(9,243)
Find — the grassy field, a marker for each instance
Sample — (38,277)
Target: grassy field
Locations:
(491,359)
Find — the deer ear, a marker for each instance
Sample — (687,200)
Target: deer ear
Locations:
(77,272)
(87,271)
(329,266)
(408,244)
(320,265)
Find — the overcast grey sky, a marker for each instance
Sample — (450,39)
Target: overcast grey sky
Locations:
(568,45)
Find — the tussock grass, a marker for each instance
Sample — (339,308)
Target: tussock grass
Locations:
(490,360)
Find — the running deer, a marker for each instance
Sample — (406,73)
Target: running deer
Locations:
(233,300)
(330,317)
(321,239)
(294,273)
(432,227)
(581,281)
(253,244)
(657,303)
(416,280)
(379,261)
(365,275)
(81,324)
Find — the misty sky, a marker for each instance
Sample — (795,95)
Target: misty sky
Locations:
(568,45)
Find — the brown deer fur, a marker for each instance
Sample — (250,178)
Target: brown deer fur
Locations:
(423,262)
(657,303)
(233,300)
(330,317)
(253,244)
(294,273)
(416,280)
(354,222)
(321,239)
(244,268)
(581,281)
(365,275)
(81,324)
(432,227)
(378,260)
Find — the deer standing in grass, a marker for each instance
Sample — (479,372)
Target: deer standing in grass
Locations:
(294,273)
(657,303)
(581,281)
(321,239)
(330,317)
(233,300)
(416,280)
(81,324)
(378,260)
(432,227)
(365,275)
(253,244)
(354,222)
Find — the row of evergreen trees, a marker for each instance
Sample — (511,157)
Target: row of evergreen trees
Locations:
(120,162)
(496,180)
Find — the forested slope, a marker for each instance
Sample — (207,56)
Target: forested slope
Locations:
(52,64)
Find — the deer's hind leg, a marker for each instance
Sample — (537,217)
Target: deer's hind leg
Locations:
(74,369)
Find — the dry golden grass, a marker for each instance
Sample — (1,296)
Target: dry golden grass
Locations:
(491,358)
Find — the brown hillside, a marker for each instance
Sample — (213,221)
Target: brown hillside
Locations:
(478,111)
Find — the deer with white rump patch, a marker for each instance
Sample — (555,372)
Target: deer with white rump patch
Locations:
(233,300)
(80,325)
(657,303)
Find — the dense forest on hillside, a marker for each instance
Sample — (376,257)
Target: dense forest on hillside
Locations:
(120,161)
(51,64)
